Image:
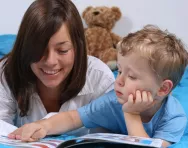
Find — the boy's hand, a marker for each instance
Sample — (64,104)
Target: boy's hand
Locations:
(143,101)
(29,132)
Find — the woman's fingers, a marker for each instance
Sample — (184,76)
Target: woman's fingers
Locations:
(12,136)
(39,134)
(28,133)
(30,140)
(29,130)
(16,134)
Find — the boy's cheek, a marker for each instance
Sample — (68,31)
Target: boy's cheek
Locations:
(121,100)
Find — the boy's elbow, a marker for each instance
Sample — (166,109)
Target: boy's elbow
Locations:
(166,144)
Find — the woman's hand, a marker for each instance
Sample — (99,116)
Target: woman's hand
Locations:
(142,101)
(29,132)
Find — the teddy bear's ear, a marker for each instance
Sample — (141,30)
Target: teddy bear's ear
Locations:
(86,10)
(117,12)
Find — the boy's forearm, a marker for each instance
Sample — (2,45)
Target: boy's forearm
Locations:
(62,122)
(134,125)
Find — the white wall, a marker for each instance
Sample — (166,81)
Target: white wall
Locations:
(167,14)
(11,13)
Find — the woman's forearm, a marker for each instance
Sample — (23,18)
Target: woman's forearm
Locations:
(62,122)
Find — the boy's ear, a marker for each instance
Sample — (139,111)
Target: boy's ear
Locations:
(165,88)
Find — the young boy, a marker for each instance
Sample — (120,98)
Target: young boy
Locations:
(151,63)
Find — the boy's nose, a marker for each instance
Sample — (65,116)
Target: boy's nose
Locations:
(120,81)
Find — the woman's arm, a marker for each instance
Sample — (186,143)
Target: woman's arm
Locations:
(59,123)
(8,105)
(63,122)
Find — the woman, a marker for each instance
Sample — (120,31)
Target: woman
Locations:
(48,69)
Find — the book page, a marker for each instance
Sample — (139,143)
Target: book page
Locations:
(45,143)
(6,128)
(119,138)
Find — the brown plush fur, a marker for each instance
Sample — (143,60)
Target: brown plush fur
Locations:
(101,42)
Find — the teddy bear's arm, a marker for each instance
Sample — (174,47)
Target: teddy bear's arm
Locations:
(115,38)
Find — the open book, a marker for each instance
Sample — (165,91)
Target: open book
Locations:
(96,139)
(49,142)
(111,140)
(88,140)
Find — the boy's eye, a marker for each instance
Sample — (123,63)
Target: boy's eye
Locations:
(119,72)
(132,77)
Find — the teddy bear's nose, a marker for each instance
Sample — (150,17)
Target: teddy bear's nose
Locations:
(96,12)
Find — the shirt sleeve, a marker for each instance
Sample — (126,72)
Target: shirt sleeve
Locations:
(172,130)
(101,77)
(171,127)
(7,104)
(102,112)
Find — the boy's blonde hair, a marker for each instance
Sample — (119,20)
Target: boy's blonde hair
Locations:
(165,53)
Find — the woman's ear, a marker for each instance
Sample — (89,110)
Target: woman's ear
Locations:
(165,88)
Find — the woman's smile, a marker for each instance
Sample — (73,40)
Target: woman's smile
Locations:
(51,72)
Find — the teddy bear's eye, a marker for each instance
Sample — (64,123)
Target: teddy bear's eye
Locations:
(96,12)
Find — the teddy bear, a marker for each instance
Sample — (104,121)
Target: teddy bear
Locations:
(100,40)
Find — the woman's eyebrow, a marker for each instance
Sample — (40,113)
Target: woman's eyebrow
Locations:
(61,43)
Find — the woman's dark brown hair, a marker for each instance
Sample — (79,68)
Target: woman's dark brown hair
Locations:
(42,20)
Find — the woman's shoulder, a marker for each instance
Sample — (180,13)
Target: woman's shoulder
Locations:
(100,78)
(2,77)
(1,65)
(96,65)
(4,88)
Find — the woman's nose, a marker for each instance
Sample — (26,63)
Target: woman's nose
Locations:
(50,59)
